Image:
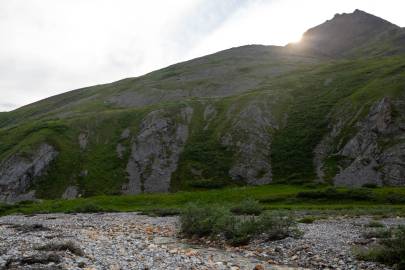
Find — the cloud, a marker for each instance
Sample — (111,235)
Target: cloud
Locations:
(49,46)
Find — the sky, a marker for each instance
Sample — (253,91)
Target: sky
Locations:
(48,47)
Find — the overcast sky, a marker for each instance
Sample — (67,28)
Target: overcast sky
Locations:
(52,46)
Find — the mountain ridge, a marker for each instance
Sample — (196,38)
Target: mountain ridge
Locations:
(247,115)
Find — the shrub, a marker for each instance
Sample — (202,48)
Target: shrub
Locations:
(87,208)
(370,185)
(390,251)
(307,220)
(218,222)
(395,198)
(379,233)
(237,230)
(208,184)
(359,194)
(395,247)
(5,207)
(276,226)
(356,194)
(372,253)
(200,220)
(329,193)
(375,224)
(247,207)
(162,212)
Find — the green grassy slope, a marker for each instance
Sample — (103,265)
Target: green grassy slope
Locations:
(306,97)
(303,92)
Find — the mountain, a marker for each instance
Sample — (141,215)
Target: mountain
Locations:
(356,34)
(330,108)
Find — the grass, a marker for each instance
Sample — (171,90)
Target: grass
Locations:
(271,197)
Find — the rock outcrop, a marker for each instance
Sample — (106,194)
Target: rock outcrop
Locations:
(71,192)
(375,154)
(250,137)
(18,173)
(155,151)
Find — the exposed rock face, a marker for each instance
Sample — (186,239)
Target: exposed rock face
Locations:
(155,151)
(120,149)
(71,192)
(83,140)
(17,173)
(250,137)
(375,154)
(393,169)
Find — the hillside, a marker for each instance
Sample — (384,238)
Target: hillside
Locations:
(331,109)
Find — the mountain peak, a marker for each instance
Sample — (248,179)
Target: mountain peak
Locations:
(344,33)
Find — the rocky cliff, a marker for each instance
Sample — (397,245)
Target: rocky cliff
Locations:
(18,173)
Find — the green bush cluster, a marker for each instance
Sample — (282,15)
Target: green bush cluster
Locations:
(162,212)
(375,224)
(370,185)
(208,184)
(247,207)
(87,208)
(307,220)
(395,198)
(219,222)
(390,249)
(355,194)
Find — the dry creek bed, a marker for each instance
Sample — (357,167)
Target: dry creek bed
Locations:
(114,241)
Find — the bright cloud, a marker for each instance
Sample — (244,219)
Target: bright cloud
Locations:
(49,46)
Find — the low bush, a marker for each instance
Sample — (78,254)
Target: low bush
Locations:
(277,226)
(375,224)
(87,208)
(236,230)
(208,184)
(247,207)
(379,233)
(162,212)
(330,193)
(390,250)
(4,208)
(307,220)
(370,185)
(200,220)
(355,194)
(220,223)
(395,198)
(358,194)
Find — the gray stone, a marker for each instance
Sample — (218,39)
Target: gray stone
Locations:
(249,135)
(71,192)
(155,151)
(18,172)
(83,140)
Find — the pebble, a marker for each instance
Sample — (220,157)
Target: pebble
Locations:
(118,241)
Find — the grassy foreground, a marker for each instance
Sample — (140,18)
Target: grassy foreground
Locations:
(377,201)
